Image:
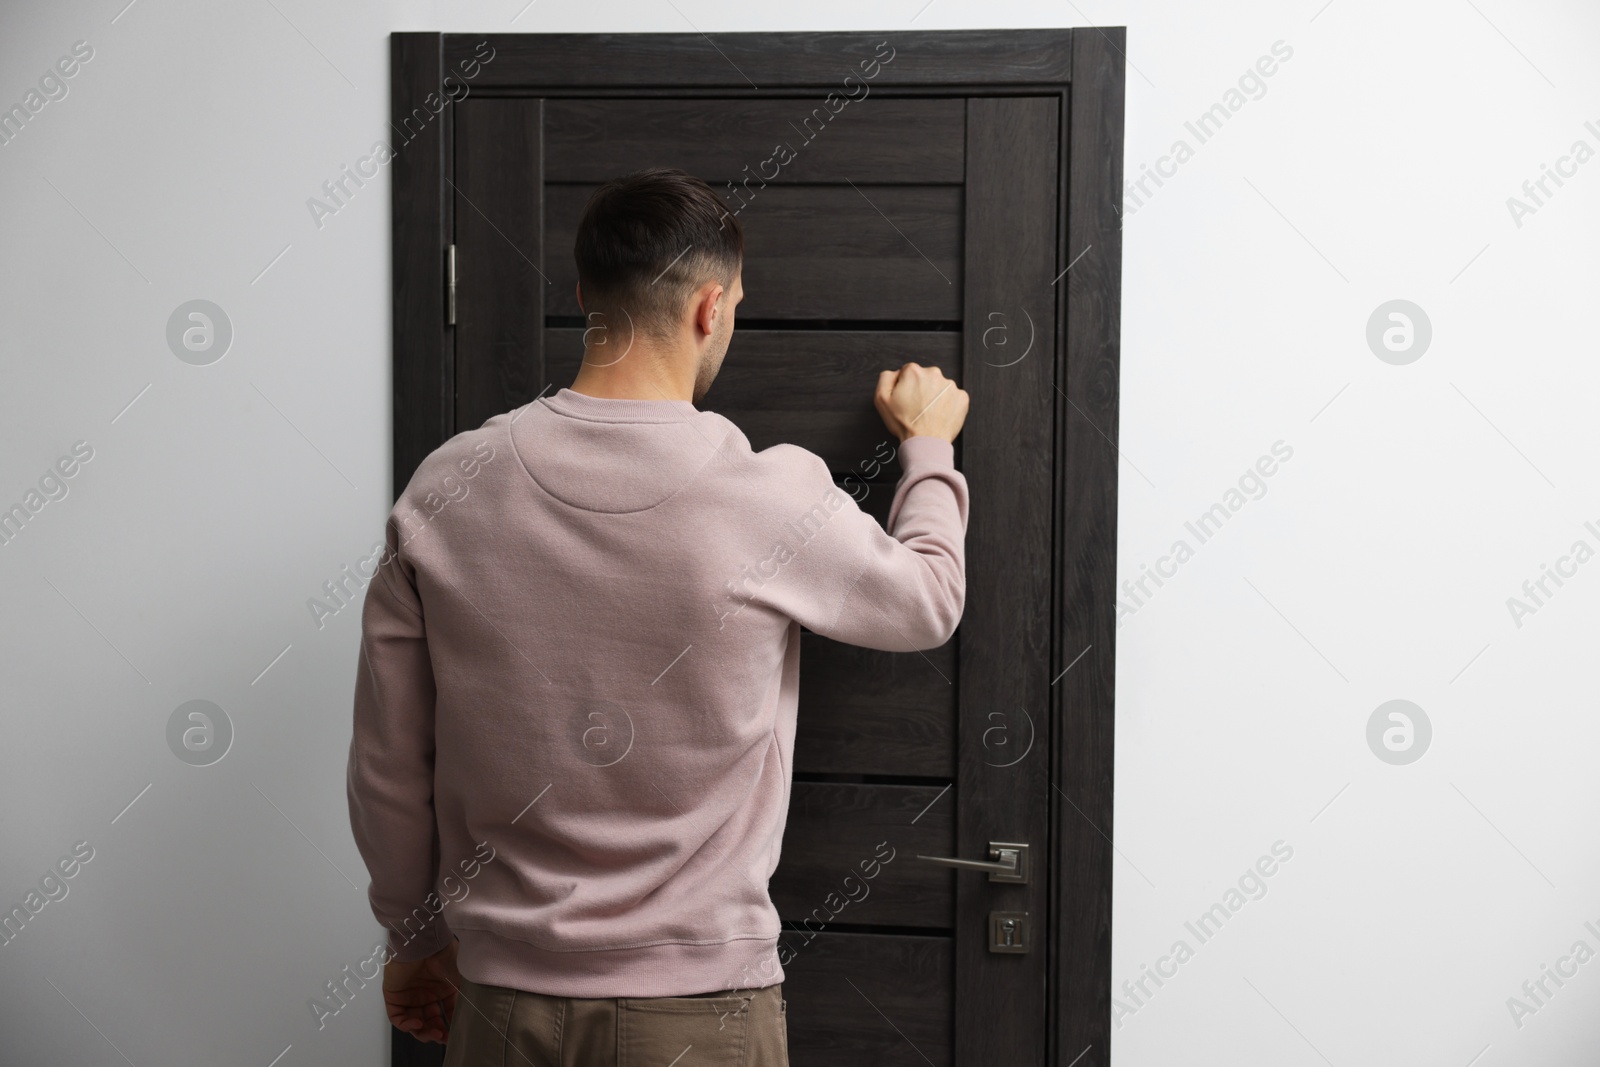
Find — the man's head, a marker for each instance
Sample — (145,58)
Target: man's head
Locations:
(659,258)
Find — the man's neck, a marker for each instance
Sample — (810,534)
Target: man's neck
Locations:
(640,375)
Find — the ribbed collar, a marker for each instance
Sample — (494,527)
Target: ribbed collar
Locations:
(607,409)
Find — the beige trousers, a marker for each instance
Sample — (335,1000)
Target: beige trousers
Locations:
(498,1027)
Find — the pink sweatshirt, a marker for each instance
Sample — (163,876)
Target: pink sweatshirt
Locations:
(575,702)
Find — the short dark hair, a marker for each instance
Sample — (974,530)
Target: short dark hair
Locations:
(649,239)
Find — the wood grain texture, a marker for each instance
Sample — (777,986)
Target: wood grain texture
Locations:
(500,309)
(422,387)
(811,388)
(1088,465)
(849,856)
(816,252)
(864,140)
(878,999)
(751,62)
(1003,771)
(868,712)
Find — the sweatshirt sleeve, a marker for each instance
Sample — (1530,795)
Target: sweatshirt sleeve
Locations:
(899,591)
(389,781)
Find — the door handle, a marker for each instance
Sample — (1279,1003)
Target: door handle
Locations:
(1008,862)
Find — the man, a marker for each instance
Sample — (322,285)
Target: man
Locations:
(576,699)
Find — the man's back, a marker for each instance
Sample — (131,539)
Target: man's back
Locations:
(581,656)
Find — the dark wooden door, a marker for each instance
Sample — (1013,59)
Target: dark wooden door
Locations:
(884,223)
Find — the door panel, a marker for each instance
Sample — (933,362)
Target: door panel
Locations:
(816,251)
(915,754)
(832,870)
(499,309)
(869,712)
(890,140)
(883,1000)
(1004,669)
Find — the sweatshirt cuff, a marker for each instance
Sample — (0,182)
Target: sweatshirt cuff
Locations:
(923,450)
(424,944)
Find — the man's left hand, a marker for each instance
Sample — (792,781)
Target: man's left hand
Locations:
(421,996)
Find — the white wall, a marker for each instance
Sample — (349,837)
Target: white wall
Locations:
(1377,566)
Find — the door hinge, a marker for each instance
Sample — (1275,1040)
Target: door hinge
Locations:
(450,285)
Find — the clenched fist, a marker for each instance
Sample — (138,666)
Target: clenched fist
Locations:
(920,401)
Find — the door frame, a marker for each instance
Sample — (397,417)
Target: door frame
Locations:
(1085,68)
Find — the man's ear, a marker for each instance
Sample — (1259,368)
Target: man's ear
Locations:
(706,308)
(578,288)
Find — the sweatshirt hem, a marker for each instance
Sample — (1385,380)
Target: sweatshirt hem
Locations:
(409,949)
(662,970)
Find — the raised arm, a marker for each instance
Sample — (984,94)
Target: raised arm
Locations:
(900,590)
